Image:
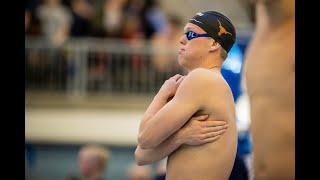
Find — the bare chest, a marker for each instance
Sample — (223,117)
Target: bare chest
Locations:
(270,67)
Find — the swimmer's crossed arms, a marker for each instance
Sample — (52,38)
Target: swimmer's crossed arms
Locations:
(166,126)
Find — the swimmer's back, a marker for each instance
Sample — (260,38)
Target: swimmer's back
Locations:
(213,160)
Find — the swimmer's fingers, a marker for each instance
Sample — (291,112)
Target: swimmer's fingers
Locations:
(215,128)
(180,80)
(176,77)
(213,134)
(209,140)
(200,118)
(213,123)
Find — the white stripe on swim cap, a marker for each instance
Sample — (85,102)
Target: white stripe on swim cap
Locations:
(199,14)
(197,21)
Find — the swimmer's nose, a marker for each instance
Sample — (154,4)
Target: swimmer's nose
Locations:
(183,39)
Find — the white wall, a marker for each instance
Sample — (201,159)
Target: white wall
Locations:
(80,125)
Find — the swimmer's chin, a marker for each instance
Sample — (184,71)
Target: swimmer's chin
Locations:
(181,61)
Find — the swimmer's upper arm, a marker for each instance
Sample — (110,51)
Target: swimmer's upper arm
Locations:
(188,100)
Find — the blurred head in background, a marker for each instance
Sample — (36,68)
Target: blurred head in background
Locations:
(166,41)
(55,19)
(83,13)
(93,161)
(53,2)
(136,172)
(113,16)
(171,32)
(82,8)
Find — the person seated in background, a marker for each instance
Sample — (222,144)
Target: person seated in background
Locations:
(136,172)
(93,161)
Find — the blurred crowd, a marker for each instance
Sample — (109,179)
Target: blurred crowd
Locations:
(131,21)
(125,19)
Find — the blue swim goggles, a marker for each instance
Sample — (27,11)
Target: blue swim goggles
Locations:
(191,35)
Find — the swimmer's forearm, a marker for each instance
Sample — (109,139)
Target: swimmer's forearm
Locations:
(157,103)
(149,156)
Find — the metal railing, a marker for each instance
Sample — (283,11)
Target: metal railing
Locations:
(88,65)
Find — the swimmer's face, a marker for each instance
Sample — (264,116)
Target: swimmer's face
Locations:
(192,52)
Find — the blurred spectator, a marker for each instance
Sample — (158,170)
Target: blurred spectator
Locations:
(97,69)
(132,30)
(138,8)
(136,172)
(83,13)
(134,36)
(55,21)
(32,24)
(93,162)
(135,7)
(165,47)
(97,27)
(164,41)
(155,17)
(113,16)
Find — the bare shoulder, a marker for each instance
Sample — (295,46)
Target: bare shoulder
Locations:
(203,81)
(205,77)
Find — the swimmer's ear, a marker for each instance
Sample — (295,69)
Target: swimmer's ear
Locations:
(214,46)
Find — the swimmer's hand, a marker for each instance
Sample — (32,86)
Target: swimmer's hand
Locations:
(200,130)
(170,86)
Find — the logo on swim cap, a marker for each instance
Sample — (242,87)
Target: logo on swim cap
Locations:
(222,30)
(199,14)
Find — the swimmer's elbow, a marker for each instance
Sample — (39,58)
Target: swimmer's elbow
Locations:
(139,158)
(141,162)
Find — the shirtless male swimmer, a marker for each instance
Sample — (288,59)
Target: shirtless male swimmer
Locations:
(269,73)
(190,129)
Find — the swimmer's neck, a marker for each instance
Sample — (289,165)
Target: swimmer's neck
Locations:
(214,68)
(212,62)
